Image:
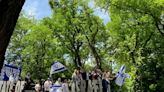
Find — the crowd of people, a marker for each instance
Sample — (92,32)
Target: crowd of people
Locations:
(61,85)
(106,78)
(96,77)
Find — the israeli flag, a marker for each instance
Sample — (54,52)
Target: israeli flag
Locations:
(9,70)
(57,67)
(121,76)
(55,88)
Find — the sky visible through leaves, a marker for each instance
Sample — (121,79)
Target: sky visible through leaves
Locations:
(40,9)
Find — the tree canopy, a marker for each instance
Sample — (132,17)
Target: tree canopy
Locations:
(77,37)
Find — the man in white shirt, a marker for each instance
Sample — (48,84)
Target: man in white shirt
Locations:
(47,85)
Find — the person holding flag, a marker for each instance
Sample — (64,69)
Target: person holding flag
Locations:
(76,78)
(107,78)
(56,68)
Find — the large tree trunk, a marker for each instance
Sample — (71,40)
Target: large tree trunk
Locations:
(9,13)
(78,58)
(96,56)
(94,52)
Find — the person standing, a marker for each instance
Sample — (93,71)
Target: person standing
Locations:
(47,85)
(113,85)
(76,77)
(105,82)
(38,87)
(42,85)
(58,83)
(65,86)
(28,81)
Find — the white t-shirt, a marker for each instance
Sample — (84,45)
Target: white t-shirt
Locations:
(47,85)
(37,87)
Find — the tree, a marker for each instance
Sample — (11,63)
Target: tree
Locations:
(78,29)
(39,50)
(9,14)
(35,47)
(136,28)
(16,44)
(65,12)
(94,29)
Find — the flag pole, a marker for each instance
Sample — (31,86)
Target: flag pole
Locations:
(50,75)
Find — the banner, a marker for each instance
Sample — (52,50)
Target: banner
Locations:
(57,67)
(9,70)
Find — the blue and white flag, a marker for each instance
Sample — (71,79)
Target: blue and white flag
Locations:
(55,88)
(121,76)
(9,70)
(57,67)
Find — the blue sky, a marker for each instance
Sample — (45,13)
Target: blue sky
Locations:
(37,8)
(40,9)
